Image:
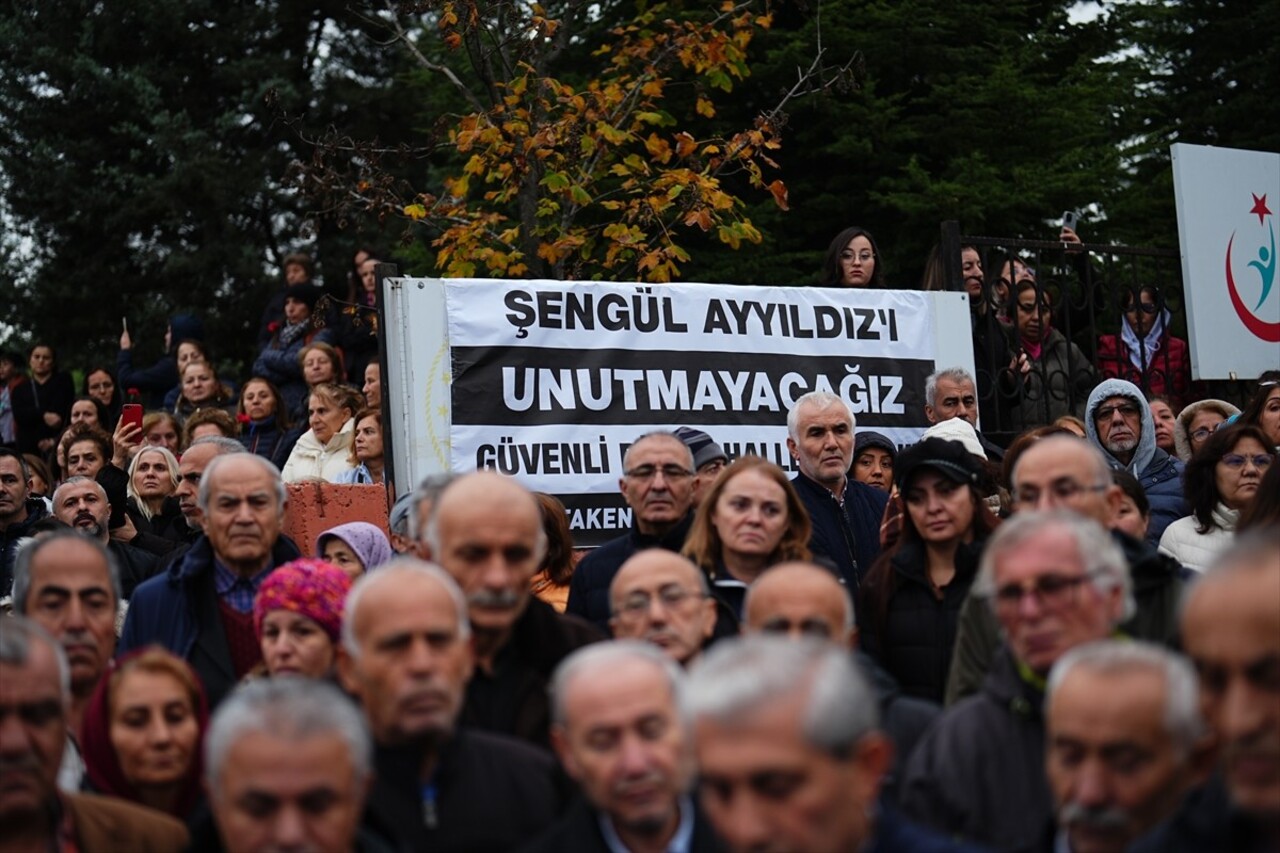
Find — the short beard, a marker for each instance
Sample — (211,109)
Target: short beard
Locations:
(1124,445)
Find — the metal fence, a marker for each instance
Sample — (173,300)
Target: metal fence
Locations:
(1048,325)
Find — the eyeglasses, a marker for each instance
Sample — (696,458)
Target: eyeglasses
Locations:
(1051,592)
(648,472)
(865,257)
(1126,410)
(1204,432)
(671,597)
(1061,491)
(1261,461)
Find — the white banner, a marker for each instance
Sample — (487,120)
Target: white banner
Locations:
(1227,201)
(550,381)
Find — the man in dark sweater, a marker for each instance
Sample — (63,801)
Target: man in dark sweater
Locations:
(406,655)
(845,513)
(486,531)
(657,482)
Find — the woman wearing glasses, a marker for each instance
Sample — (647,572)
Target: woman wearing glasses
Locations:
(852,260)
(750,519)
(1197,422)
(1221,480)
(912,596)
(1144,352)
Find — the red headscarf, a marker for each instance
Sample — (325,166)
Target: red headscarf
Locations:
(102,765)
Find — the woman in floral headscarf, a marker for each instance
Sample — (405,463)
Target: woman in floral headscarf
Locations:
(297,616)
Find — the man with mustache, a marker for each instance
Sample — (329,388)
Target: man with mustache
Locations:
(406,655)
(1125,742)
(485,530)
(69,585)
(190,468)
(845,513)
(1055,581)
(81,502)
(1230,627)
(663,598)
(1119,422)
(621,733)
(658,483)
(34,814)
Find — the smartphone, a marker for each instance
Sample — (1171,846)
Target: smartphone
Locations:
(1070,219)
(124,324)
(131,413)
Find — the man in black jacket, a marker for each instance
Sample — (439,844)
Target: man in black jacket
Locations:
(845,513)
(406,655)
(1055,581)
(621,734)
(18,511)
(82,503)
(657,482)
(485,530)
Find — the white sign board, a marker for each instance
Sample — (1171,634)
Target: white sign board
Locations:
(551,381)
(1227,202)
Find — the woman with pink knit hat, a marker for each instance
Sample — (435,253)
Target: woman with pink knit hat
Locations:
(297,616)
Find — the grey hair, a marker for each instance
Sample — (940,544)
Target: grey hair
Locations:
(657,433)
(1098,552)
(27,555)
(703,584)
(1182,718)
(290,708)
(16,635)
(392,571)
(953,374)
(75,481)
(819,399)
(738,677)
(428,490)
(170,462)
(608,655)
(431,535)
(1101,470)
(206,479)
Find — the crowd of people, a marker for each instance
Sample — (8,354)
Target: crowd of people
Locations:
(1066,642)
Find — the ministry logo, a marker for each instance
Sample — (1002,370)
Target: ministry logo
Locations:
(1263,263)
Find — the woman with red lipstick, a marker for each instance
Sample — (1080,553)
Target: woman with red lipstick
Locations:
(297,615)
(142,733)
(912,596)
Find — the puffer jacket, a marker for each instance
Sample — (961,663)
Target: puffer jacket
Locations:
(1159,473)
(978,773)
(1182,424)
(310,460)
(913,639)
(1183,540)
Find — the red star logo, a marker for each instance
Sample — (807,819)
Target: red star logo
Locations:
(1260,207)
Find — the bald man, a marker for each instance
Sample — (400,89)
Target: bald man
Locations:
(485,530)
(662,598)
(807,600)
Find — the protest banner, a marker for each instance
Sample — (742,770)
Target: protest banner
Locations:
(551,382)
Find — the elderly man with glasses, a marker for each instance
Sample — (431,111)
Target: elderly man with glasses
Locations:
(1118,421)
(1065,472)
(657,483)
(663,599)
(1054,581)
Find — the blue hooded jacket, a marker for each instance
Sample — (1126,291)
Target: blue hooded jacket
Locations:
(1159,473)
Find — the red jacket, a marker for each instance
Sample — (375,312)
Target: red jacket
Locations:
(1168,374)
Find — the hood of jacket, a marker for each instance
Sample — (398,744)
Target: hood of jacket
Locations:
(1182,424)
(1146,449)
